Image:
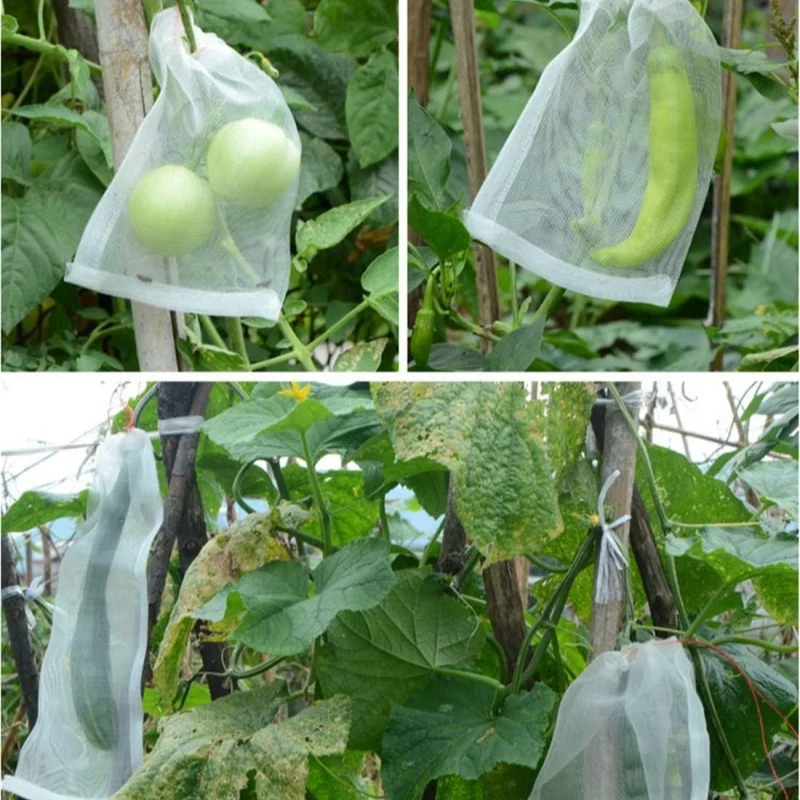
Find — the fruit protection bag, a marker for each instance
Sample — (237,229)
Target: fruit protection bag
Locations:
(631,727)
(197,219)
(87,740)
(600,185)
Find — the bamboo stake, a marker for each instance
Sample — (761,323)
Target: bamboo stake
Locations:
(462,13)
(122,43)
(722,185)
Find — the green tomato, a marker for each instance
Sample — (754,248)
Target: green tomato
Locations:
(172,211)
(252,162)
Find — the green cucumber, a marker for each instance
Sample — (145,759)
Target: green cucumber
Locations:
(90,654)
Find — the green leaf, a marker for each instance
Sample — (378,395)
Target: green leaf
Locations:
(516,351)
(250,11)
(429,149)
(353,514)
(38,508)
(262,427)
(364,357)
(221,750)
(505,495)
(687,494)
(455,358)
(445,234)
(355,28)
(736,554)
(41,231)
(321,168)
(245,546)
(320,77)
(736,707)
(16,142)
(371,109)
(380,282)
(63,116)
(377,180)
(340,777)
(95,148)
(450,728)
(776,481)
(384,655)
(281,619)
(330,228)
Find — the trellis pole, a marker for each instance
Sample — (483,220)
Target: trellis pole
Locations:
(122,44)
(462,13)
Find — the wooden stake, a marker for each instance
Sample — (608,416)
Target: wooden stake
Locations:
(462,13)
(122,43)
(722,184)
(619,453)
(419,36)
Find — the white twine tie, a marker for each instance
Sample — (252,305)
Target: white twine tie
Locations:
(29,594)
(612,560)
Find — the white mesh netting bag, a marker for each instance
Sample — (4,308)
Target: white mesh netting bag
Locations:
(601,183)
(87,740)
(631,727)
(197,219)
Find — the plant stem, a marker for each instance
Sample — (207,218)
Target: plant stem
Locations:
(711,708)
(706,610)
(306,538)
(99,333)
(790,649)
(283,358)
(186,18)
(40,20)
(251,673)
(299,349)
(426,553)
(210,330)
(236,336)
(319,497)
(385,534)
(41,46)
(549,303)
(479,677)
(338,325)
(512,278)
(470,560)
(551,614)
(236,489)
(466,325)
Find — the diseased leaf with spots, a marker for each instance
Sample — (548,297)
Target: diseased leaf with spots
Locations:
(227,748)
(272,607)
(505,496)
(686,493)
(245,546)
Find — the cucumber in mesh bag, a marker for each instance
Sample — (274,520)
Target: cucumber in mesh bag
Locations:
(92,694)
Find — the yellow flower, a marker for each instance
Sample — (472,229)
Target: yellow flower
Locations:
(594,520)
(298,392)
(761,310)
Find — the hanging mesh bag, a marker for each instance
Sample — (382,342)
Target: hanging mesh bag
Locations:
(87,740)
(197,219)
(601,183)
(631,727)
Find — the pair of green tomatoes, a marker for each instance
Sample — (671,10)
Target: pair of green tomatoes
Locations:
(250,163)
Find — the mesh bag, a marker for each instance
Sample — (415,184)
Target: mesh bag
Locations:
(197,218)
(87,740)
(631,727)
(601,183)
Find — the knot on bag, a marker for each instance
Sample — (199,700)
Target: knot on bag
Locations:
(29,594)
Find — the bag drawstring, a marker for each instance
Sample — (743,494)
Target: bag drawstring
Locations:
(29,594)
(611,560)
